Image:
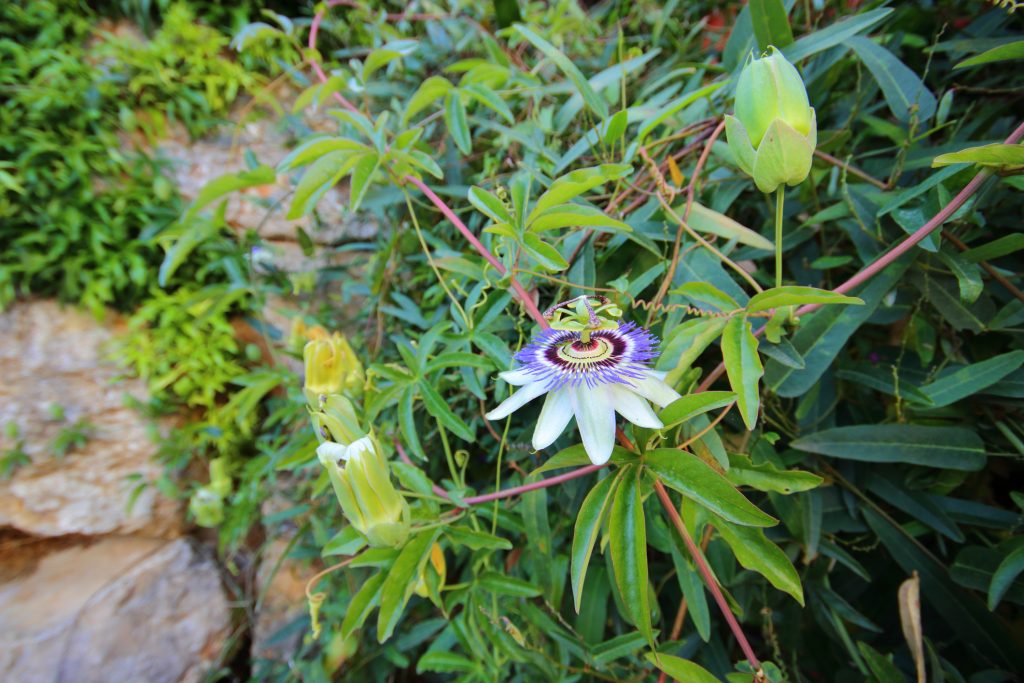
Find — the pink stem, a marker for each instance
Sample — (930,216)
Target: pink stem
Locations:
(523,295)
(507,493)
(709,577)
(886,259)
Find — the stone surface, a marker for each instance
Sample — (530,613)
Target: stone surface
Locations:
(50,356)
(264,208)
(281,585)
(117,609)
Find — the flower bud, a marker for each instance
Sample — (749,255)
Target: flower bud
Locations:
(774,132)
(362,483)
(336,419)
(207,507)
(331,367)
(433,574)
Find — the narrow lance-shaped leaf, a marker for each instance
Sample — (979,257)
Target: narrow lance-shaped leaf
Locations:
(797,296)
(743,367)
(455,119)
(755,552)
(695,479)
(401,580)
(566,66)
(628,545)
(588,527)
(771,26)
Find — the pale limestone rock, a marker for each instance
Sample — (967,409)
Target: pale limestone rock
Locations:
(54,355)
(117,609)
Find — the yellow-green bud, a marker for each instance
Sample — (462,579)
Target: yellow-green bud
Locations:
(331,367)
(207,507)
(336,419)
(774,132)
(362,483)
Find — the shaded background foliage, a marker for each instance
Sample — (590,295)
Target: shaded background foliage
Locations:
(909,408)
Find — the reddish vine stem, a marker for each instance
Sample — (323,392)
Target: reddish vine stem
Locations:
(702,565)
(709,577)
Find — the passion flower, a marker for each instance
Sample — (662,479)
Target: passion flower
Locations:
(589,375)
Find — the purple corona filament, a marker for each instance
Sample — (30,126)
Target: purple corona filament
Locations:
(560,357)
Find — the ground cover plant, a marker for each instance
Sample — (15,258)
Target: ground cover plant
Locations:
(689,346)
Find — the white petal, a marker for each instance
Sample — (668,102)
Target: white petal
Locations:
(595,416)
(331,452)
(517,400)
(655,390)
(554,417)
(517,377)
(634,408)
(658,374)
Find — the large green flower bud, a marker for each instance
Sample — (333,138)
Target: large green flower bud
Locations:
(331,367)
(774,132)
(362,482)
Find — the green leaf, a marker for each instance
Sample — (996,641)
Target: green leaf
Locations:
(437,407)
(458,359)
(882,668)
(672,107)
(431,90)
(1001,53)
(968,276)
(706,293)
(627,532)
(754,551)
(703,219)
(576,456)
(490,99)
(362,604)
(455,119)
(320,177)
(575,215)
(476,540)
(902,88)
(445,663)
(693,337)
(972,379)
(743,367)
(489,205)
(952,448)
(1007,244)
(1007,572)
(497,582)
(362,174)
(228,183)
(545,254)
(835,34)
(823,333)
(565,65)
(577,182)
(401,580)
(386,54)
(999,156)
(696,480)
(348,541)
(588,526)
(771,25)
(311,150)
(691,405)
(767,477)
(680,669)
(615,127)
(797,296)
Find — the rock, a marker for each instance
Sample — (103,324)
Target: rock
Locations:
(54,356)
(117,609)
(264,208)
(281,583)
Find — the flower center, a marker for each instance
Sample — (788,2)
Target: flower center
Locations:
(580,352)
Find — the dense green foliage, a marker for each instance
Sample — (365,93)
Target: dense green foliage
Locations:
(885,437)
